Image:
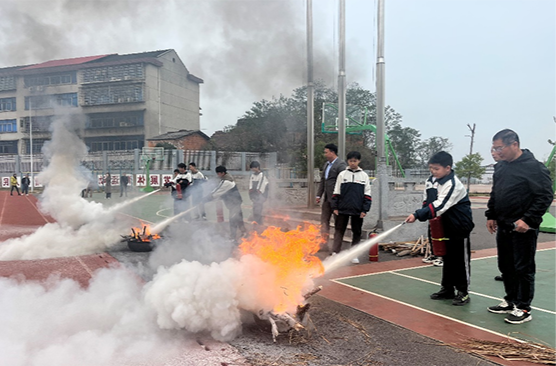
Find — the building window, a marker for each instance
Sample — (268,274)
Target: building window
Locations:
(8,147)
(113,73)
(108,143)
(115,120)
(7,83)
(8,125)
(40,123)
(7,104)
(112,94)
(55,79)
(50,101)
(37,146)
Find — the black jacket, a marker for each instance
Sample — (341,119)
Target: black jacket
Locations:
(352,193)
(522,189)
(448,198)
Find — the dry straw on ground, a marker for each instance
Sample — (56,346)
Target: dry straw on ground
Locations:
(513,350)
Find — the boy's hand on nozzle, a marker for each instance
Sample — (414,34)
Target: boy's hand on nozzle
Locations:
(410,219)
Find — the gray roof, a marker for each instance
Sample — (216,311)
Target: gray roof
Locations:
(178,135)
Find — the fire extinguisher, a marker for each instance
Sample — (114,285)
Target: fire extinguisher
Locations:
(373,250)
(437,236)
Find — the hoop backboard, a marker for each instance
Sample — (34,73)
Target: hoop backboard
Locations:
(154,153)
(355,117)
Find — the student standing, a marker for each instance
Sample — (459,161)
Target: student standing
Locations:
(228,192)
(351,200)
(258,191)
(198,180)
(521,194)
(446,197)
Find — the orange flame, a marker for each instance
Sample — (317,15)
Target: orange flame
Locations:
(143,233)
(291,253)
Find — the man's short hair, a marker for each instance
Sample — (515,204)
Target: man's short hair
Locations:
(254,164)
(507,136)
(176,170)
(354,155)
(221,169)
(332,147)
(182,165)
(193,164)
(442,158)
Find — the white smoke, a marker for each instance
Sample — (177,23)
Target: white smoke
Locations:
(82,227)
(59,323)
(199,298)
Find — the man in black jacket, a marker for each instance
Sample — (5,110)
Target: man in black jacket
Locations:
(330,171)
(521,194)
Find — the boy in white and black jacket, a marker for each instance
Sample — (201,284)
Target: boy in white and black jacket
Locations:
(447,197)
(351,198)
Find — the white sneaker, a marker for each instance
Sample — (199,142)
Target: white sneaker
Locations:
(429,259)
(355,261)
(438,262)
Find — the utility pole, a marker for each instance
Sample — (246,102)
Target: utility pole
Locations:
(310,110)
(342,84)
(380,130)
(472,129)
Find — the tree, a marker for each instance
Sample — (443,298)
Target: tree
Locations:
(431,146)
(470,167)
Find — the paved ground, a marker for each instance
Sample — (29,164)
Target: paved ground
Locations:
(341,334)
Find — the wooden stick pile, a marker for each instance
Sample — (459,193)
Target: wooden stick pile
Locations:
(402,248)
(513,351)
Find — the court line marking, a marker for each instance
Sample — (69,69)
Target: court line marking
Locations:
(471,292)
(420,266)
(3,208)
(37,209)
(158,213)
(84,266)
(437,314)
(136,218)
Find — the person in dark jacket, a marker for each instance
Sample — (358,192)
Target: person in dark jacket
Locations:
(446,196)
(351,199)
(330,171)
(228,192)
(521,193)
(25,183)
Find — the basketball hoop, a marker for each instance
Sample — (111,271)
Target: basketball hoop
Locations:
(150,155)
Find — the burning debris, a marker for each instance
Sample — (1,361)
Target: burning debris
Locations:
(292,254)
(141,240)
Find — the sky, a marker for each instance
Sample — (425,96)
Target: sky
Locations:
(448,63)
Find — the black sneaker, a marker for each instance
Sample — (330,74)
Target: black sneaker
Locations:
(461,299)
(499,278)
(518,316)
(443,294)
(502,308)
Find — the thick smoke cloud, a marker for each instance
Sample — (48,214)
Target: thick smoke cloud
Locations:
(244,50)
(81,227)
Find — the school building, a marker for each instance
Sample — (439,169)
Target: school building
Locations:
(121,100)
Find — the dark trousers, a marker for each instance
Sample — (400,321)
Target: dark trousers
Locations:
(24,189)
(456,271)
(16,189)
(325,215)
(258,201)
(340,225)
(236,220)
(516,262)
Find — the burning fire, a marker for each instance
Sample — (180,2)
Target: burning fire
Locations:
(291,253)
(143,234)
